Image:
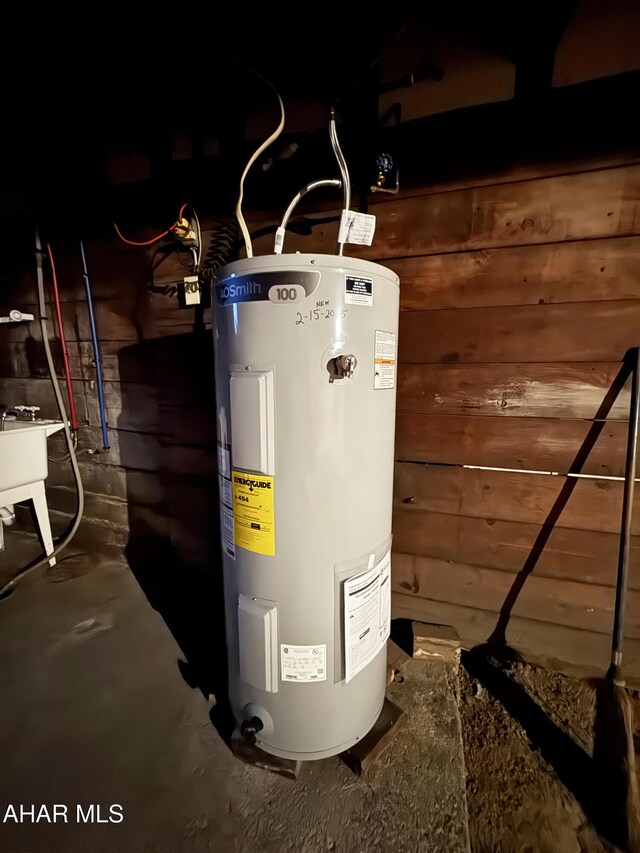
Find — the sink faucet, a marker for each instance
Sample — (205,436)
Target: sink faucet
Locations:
(25,412)
(7,413)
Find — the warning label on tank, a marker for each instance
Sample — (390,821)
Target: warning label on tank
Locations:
(384,360)
(358,290)
(367,615)
(303,663)
(253,511)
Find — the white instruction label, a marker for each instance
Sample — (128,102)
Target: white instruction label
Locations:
(303,663)
(357,228)
(192,293)
(224,490)
(384,375)
(224,461)
(367,615)
(358,290)
(225,495)
(227,530)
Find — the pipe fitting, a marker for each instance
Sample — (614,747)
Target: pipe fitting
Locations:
(249,729)
(342,367)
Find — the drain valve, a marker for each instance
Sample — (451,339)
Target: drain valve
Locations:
(250,728)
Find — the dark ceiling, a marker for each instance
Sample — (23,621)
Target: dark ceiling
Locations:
(76,95)
(126,77)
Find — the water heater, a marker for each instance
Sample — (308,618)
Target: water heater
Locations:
(305,356)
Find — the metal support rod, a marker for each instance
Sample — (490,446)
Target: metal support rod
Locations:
(96,349)
(342,163)
(63,343)
(627,512)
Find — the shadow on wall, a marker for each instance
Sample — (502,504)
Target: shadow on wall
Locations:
(603,782)
(172,494)
(498,638)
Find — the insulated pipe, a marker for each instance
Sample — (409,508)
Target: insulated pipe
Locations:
(96,349)
(346,183)
(63,342)
(280,233)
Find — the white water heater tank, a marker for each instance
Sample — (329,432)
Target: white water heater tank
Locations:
(306,374)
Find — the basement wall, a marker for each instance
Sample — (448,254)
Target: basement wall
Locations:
(520,296)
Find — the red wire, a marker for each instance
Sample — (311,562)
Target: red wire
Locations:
(153,239)
(63,342)
(144,242)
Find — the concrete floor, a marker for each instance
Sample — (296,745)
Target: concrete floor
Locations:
(100,706)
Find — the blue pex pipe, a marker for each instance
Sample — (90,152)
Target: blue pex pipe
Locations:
(96,349)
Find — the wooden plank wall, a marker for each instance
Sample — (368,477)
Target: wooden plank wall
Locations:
(519,300)
(519,303)
(159,477)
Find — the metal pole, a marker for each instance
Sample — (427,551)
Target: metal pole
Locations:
(63,343)
(627,512)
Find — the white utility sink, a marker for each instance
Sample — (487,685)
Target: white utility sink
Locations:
(23,452)
(24,468)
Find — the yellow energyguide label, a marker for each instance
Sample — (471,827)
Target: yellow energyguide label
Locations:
(253,511)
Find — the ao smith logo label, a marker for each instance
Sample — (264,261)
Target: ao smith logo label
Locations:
(284,286)
(252,484)
(242,290)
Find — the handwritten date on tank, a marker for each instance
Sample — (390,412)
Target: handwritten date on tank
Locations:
(322,311)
